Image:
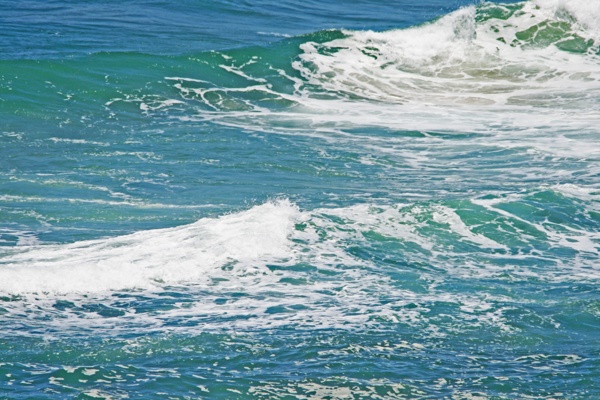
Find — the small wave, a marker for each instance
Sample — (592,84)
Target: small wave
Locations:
(152,259)
(272,265)
(480,232)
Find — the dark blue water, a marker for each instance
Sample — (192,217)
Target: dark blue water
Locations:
(59,29)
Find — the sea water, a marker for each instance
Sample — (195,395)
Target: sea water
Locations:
(299,200)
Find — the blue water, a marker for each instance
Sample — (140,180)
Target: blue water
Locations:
(299,200)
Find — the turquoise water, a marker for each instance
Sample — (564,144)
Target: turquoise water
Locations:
(297,200)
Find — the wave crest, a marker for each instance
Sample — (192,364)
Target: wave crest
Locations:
(152,259)
(536,53)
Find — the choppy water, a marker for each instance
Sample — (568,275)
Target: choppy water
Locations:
(299,200)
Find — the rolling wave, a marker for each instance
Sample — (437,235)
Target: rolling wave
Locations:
(522,63)
(536,53)
(272,265)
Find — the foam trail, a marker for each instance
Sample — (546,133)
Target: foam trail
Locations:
(151,259)
(274,265)
(508,71)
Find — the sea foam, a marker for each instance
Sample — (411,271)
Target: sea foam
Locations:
(470,57)
(150,259)
(273,265)
(504,71)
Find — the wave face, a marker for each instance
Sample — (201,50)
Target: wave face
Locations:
(151,259)
(388,201)
(409,276)
(538,53)
(530,64)
(277,248)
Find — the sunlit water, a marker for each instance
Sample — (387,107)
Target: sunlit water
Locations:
(298,200)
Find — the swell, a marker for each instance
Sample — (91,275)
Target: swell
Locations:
(363,266)
(535,54)
(541,227)
(34,30)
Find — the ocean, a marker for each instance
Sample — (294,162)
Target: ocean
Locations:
(299,199)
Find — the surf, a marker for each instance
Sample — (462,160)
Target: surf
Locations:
(521,63)
(152,259)
(535,53)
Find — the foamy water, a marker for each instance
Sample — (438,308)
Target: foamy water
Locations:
(390,201)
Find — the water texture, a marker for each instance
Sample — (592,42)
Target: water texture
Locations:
(297,200)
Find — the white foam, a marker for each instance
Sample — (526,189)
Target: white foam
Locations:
(455,61)
(153,258)
(585,12)
(292,267)
(591,195)
(564,235)
(238,247)
(451,75)
(448,216)
(78,141)
(455,72)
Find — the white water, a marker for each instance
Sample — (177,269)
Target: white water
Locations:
(457,60)
(151,259)
(317,281)
(452,74)
(455,74)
